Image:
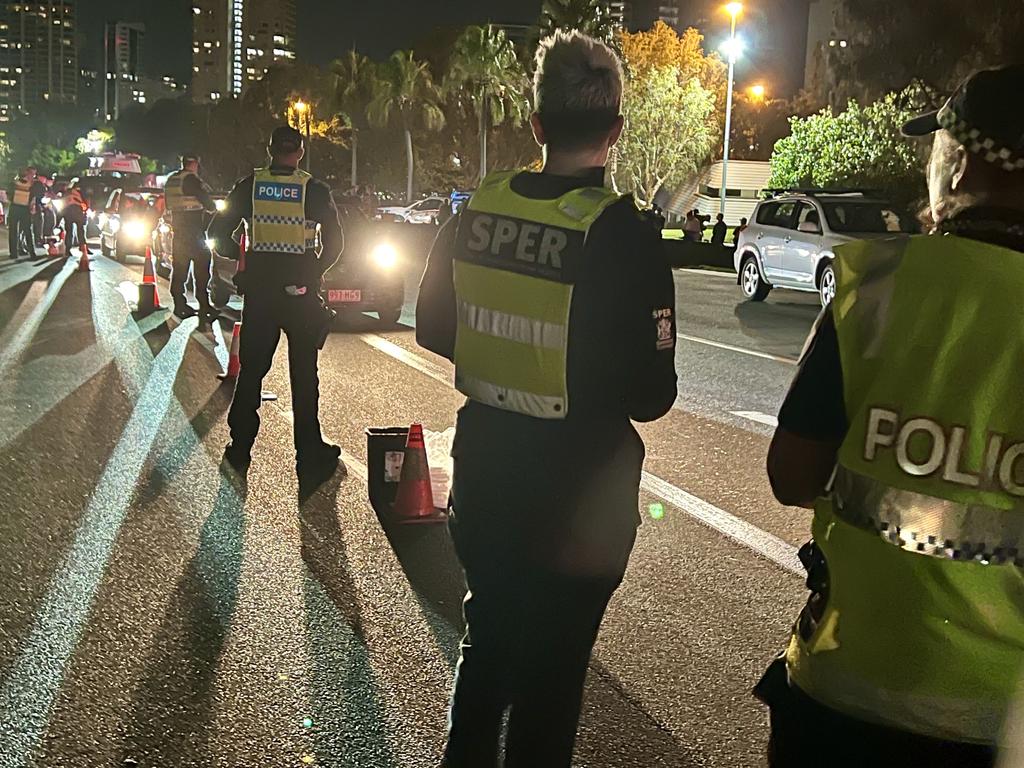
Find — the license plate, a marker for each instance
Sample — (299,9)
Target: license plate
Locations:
(343,297)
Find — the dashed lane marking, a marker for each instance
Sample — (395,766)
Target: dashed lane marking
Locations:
(760,418)
(750,536)
(741,350)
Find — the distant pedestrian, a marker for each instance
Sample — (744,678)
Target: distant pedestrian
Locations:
(444,212)
(739,231)
(719,231)
(692,227)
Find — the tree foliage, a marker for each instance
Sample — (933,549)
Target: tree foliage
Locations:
(669,105)
(667,132)
(590,17)
(859,147)
(895,45)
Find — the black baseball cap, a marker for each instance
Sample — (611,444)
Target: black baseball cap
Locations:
(285,140)
(189,157)
(985,114)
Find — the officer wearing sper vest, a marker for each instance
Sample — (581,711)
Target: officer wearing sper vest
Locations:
(553,298)
(912,644)
(189,202)
(20,235)
(294,237)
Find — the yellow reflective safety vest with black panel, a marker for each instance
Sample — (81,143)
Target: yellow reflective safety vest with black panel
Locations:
(279,223)
(174,196)
(923,532)
(516,262)
(22,192)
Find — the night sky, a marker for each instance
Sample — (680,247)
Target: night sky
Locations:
(326,28)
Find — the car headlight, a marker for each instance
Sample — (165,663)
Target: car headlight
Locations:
(384,255)
(211,243)
(90,214)
(220,205)
(46,201)
(135,229)
(58,205)
(164,229)
(115,224)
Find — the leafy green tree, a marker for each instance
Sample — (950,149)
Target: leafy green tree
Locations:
(354,79)
(485,73)
(859,147)
(405,96)
(590,17)
(668,132)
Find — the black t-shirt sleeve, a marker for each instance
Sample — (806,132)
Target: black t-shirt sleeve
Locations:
(436,316)
(238,206)
(814,407)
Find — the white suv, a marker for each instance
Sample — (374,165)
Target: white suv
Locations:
(790,242)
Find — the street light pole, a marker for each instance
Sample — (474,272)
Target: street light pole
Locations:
(734,10)
(309,143)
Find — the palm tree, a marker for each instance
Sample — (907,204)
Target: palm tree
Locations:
(405,95)
(485,72)
(590,17)
(353,89)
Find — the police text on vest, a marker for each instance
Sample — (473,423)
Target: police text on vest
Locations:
(924,447)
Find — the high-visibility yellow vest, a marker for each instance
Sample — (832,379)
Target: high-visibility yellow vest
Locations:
(175,198)
(22,192)
(73,197)
(923,531)
(516,263)
(279,223)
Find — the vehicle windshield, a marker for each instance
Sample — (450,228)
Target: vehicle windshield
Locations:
(860,216)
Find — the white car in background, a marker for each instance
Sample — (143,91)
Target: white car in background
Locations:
(791,239)
(423,212)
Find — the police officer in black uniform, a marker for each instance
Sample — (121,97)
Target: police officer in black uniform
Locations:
(547,467)
(294,238)
(189,201)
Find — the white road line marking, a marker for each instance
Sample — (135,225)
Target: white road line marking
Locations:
(354,465)
(741,350)
(403,355)
(760,418)
(763,543)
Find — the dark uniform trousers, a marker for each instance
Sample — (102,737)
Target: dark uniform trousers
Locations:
(19,225)
(190,250)
(74,226)
(533,607)
(268,312)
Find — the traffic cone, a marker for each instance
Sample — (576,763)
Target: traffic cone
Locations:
(83,259)
(148,273)
(415,500)
(234,363)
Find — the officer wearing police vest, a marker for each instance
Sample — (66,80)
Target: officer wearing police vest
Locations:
(74,214)
(20,234)
(189,202)
(552,296)
(912,643)
(294,237)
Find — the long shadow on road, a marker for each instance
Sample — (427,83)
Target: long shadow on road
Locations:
(173,717)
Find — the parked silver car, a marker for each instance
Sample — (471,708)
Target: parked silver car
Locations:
(791,240)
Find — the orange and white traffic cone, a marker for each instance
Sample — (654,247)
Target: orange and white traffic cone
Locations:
(234,363)
(415,500)
(148,272)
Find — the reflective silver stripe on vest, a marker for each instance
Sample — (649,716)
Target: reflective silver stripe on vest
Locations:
(505,325)
(928,525)
(540,406)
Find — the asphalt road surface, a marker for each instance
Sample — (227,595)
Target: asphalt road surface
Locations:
(153,615)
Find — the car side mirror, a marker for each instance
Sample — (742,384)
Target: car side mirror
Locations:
(809,227)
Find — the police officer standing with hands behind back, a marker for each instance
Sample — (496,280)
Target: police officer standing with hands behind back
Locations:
(552,296)
(189,201)
(284,209)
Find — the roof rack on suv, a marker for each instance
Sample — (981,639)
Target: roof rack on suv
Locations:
(813,191)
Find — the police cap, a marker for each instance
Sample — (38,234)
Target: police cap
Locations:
(189,157)
(285,140)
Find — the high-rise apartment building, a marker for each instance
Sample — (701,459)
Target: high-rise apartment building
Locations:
(641,14)
(122,71)
(38,55)
(235,43)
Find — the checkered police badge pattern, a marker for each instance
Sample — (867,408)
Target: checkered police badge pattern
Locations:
(1008,159)
(264,218)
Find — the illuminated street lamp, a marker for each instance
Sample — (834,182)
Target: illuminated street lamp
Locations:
(732,48)
(757,92)
(303,110)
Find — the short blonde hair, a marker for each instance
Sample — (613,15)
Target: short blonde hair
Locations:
(577,87)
